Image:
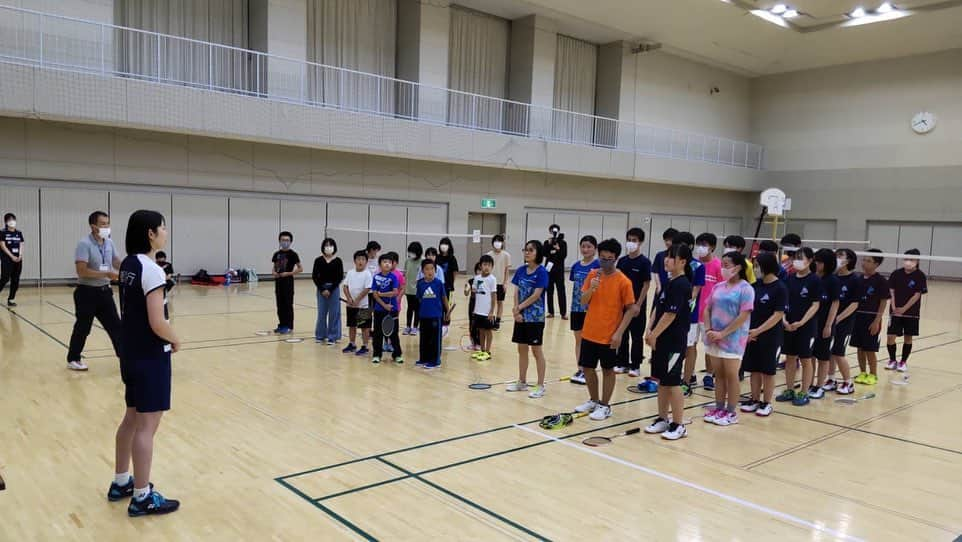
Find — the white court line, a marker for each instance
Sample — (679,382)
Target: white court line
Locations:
(741,502)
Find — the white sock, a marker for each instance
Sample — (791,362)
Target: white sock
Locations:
(122,479)
(141,493)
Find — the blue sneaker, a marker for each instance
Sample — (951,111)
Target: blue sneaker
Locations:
(116,493)
(388,347)
(708,382)
(349,348)
(418,363)
(284,331)
(431,365)
(153,503)
(801,399)
(362,351)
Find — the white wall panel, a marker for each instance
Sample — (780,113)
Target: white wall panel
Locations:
(200,234)
(123,204)
(25,204)
(536,227)
(946,241)
(254,226)
(916,236)
(306,219)
(352,216)
(391,218)
(426,220)
(63,222)
(886,238)
(614,227)
(588,224)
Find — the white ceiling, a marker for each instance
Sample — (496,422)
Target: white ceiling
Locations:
(726,35)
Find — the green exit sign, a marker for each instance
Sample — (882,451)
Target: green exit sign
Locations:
(488,204)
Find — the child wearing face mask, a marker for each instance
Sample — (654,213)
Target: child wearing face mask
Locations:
(907,286)
(11,257)
(502,265)
(868,318)
(327,274)
(804,300)
(448,263)
(637,268)
(850,285)
(412,267)
(705,253)
(287,264)
(579,272)
(736,243)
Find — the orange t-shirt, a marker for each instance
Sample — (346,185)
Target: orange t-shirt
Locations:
(607,306)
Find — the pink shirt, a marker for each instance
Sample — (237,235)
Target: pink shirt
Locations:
(712,277)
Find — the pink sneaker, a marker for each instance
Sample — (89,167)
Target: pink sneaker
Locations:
(727,418)
(902,368)
(712,415)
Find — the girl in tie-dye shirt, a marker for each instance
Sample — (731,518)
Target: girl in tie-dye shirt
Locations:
(727,323)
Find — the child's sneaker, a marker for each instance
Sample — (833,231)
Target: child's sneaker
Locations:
(399,360)
(829,385)
(621,370)
(727,418)
(406,331)
(712,415)
(517,386)
(414,331)
(601,412)
(284,331)
(902,367)
(675,433)
(764,409)
(891,365)
(578,378)
(349,348)
(816,392)
(862,378)
(537,392)
(116,493)
(801,399)
(686,390)
(785,396)
(376,360)
(431,365)
(476,355)
(418,363)
(387,347)
(484,356)
(871,380)
(845,388)
(749,405)
(153,503)
(657,426)
(587,406)
(331,342)
(708,382)
(634,373)
(362,351)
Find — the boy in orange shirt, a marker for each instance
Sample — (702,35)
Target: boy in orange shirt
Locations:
(610,299)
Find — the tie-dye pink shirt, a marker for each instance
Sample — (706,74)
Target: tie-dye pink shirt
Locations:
(712,277)
(727,302)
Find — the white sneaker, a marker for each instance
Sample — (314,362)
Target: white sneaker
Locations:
(517,386)
(331,343)
(578,378)
(679,432)
(711,416)
(816,392)
(620,370)
(537,392)
(829,385)
(587,406)
(891,365)
(601,412)
(728,418)
(77,365)
(902,367)
(657,426)
(414,331)
(845,388)
(634,372)
(765,409)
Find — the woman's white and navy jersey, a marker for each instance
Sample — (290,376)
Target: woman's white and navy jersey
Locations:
(139,276)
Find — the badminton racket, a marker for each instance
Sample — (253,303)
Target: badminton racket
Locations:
(594,442)
(485,385)
(853,400)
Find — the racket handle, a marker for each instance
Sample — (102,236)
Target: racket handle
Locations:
(633,431)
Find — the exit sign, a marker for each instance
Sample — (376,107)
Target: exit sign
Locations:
(488,204)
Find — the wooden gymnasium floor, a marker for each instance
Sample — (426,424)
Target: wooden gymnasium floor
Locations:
(275,441)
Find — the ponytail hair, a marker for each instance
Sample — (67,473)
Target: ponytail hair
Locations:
(681,251)
(736,258)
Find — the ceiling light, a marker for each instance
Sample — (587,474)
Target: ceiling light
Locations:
(857,12)
(886,7)
(778,9)
(770,17)
(876,18)
(790,14)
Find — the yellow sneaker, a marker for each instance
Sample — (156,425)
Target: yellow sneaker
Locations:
(861,378)
(485,356)
(871,379)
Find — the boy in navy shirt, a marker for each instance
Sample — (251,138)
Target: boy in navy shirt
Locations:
(432,308)
(868,318)
(908,285)
(658,264)
(384,289)
(637,268)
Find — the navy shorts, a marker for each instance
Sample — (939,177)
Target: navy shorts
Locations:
(843,333)
(530,333)
(761,356)
(822,348)
(577,321)
(861,338)
(904,326)
(147,382)
(799,342)
(667,363)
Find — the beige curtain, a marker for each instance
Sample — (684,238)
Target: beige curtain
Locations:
(359,35)
(576,65)
(477,64)
(223,22)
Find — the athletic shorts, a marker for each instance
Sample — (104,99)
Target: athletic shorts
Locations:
(762,355)
(667,364)
(799,342)
(357,317)
(843,332)
(530,333)
(578,321)
(861,338)
(904,326)
(715,351)
(695,333)
(593,353)
(822,348)
(147,383)
(501,293)
(481,322)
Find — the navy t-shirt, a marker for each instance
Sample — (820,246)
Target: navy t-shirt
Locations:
(769,299)
(13,240)
(831,287)
(638,271)
(874,289)
(802,292)
(139,276)
(675,298)
(658,266)
(385,283)
(430,295)
(905,285)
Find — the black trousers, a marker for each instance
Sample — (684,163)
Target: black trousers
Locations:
(430,340)
(93,302)
(378,337)
(10,272)
(556,279)
(284,295)
(636,334)
(473,329)
(412,311)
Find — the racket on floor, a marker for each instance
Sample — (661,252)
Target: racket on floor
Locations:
(900,380)
(388,323)
(594,442)
(485,385)
(853,400)
(558,421)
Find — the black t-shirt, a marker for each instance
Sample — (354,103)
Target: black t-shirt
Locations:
(769,299)
(556,251)
(905,285)
(638,270)
(830,293)
(167,268)
(849,290)
(675,298)
(13,240)
(802,292)
(327,275)
(139,276)
(284,262)
(874,289)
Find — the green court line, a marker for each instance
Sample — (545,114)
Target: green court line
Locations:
(340,519)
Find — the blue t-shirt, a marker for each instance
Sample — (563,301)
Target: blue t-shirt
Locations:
(802,292)
(658,266)
(527,284)
(579,272)
(430,295)
(638,270)
(698,279)
(385,283)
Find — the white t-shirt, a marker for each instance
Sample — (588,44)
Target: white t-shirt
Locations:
(357,282)
(485,289)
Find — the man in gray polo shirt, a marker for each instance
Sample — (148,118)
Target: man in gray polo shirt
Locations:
(97,264)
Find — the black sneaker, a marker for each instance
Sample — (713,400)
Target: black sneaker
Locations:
(497,324)
(153,503)
(11,303)
(693,381)
(116,493)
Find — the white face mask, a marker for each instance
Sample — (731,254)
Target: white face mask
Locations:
(328,250)
(910,265)
(412,255)
(789,248)
(799,265)
(12,224)
(840,263)
(444,248)
(631,246)
(701,251)
(498,245)
(104,233)
(727,273)
(729,250)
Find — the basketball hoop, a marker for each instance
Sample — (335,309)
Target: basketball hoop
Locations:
(774,200)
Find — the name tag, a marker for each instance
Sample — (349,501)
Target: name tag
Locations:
(105,268)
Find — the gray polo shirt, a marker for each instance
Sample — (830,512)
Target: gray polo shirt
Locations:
(96,256)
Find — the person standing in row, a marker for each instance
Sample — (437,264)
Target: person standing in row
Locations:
(875,295)
(556,252)
(579,273)
(658,264)
(825,263)
(96,262)
(412,267)
(11,257)
(502,264)
(531,281)
(448,264)
(287,264)
(637,268)
(907,285)
(328,273)
(766,335)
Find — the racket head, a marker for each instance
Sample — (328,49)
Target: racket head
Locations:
(388,323)
(294,340)
(595,442)
(846,400)
(263,332)
(634,389)
(903,381)
(479,386)
(869,395)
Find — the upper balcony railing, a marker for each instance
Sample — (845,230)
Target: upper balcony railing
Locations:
(65,43)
